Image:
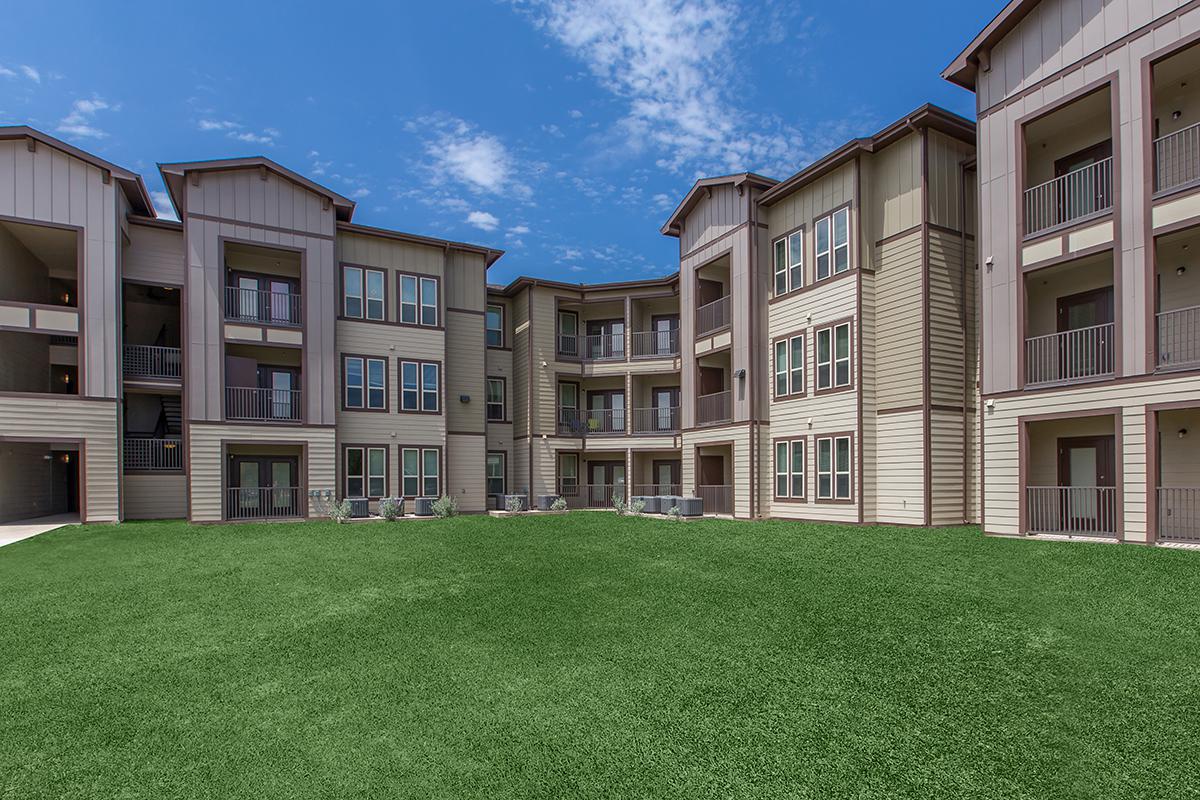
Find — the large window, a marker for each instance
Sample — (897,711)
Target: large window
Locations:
(418,300)
(363,293)
(568,474)
(420,387)
(833,243)
(365,383)
(833,468)
(568,334)
(789,366)
(833,357)
(420,472)
(789,470)
(495,473)
(789,263)
(495,399)
(366,472)
(494,325)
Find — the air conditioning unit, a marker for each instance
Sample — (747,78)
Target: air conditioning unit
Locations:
(423,506)
(651,504)
(545,501)
(668,501)
(359,507)
(691,506)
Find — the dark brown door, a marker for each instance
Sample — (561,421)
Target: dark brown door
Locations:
(1085,462)
(712,380)
(712,470)
(1085,309)
(240,371)
(1091,352)
(668,475)
(708,291)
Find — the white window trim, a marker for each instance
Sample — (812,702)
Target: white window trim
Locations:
(833,472)
(834,246)
(416,386)
(382,299)
(487,402)
(361,296)
(422,304)
(831,332)
(347,386)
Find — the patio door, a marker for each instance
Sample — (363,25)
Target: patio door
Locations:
(606,412)
(1085,354)
(281,302)
(668,476)
(664,403)
(266,486)
(606,338)
(664,334)
(1084,192)
(282,383)
(605,478)
(1087,475)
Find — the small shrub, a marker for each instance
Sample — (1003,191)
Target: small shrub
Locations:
(513,504)
(445,506)
(618,503)
(391,508)
(340,512)
(559,504)
(674,514)
(637,507)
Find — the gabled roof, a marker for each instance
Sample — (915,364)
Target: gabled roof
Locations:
(519,283)
(964,69)
(672,226)
(490,254)
(927,116)
(130,182)
(173,176)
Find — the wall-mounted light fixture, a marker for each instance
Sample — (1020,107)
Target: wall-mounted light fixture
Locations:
(740,374)
(1183,432)
(464,398)
(1180,270)
(1176,114)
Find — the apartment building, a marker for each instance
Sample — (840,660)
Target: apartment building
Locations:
(256,359)
(1089,168)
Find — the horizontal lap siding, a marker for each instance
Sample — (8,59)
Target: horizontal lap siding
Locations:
(542,339)
(155,496)
(898,321)
(869,366)
(899,465)
(948,333)
(948,454)
(59,418)
(465,467)
(154,256)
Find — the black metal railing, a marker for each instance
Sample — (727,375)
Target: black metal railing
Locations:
(263,307)
(265,502)
(263,405)
(153,455)
(151,361)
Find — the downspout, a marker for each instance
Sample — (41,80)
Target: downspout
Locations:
(529,381)
(752,272)
(966,396)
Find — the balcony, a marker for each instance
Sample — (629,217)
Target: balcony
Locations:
(1175,119)
(658,490)
(715,408)
(263,307)
(576,422)
(1076,355)
(153,455)
(1069,198)
(1072,510)
(717,499)
(151,361)
(262,405)
(1178,338)
(266,502)
(1177,159)
(1178,514)
(662,420)
(712,316)
(655,344)
(579,495)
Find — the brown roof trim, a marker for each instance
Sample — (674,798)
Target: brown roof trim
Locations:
(131,183)
(964,69)
(491,255)
(524,281)
(155,222)
(343,206)
(672,228)
(927,116)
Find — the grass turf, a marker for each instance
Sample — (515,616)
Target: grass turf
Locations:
(591,656)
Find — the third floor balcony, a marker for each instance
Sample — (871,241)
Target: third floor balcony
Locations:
(1070,334)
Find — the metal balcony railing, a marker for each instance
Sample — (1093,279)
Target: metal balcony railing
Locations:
(717,499)
(603,347)
(713,409)
(1179,514)
(262,405)
(153,455)
(582,495)
(263,307)
(655,344)
(568,345)
(1076,355)
(713,316)
(574,422)
(268,502)
(1072,510)
(1177,158)
(1068,198)
(150,361)
(658,490)
(664,419)
(1179,337)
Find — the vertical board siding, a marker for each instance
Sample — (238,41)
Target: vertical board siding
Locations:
(893,193)
(945,195)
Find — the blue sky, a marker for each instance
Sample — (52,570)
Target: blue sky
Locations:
(561,132)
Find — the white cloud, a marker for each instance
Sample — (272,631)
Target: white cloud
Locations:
(464,154)
(663,202)
(80,121)
(162,205)
(578,269)
(252,138)
(235,130)
(31,73)
(360,193)
(483,220)
(217,125)
(5,72)
(574,113)
(674,64)
(518,230)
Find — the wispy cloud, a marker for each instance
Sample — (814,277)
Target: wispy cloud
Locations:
(236,131)
(673,65)
(80,121)
(162,205)
(31,73)
(483,220)
(518,230)
(461,153)
(5,72)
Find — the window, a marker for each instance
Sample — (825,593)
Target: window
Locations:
(366,471)
(420,472)
(408,299)
(568,474)
(833,243)
(495,399)
(495,473)
(833,468)
(789,366)
(429,301)
(789,263)
(374,392)
(375,295)
(568,333)
(789,469)
(494,325)
(833,357)
(420,387)
(352,292)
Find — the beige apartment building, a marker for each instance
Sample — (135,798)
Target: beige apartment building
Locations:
(264,356)
(1089,169)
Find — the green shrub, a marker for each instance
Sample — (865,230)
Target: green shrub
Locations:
(340,512)
(513,504)
(391,508)
(445,506)
(559,504)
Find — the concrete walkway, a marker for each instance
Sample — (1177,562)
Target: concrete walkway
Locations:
(25,528)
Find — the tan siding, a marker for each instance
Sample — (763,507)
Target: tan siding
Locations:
(948,337)
(947,465)
(898,309)
(155,496)
(465,360)
(893,192)
(713,216)
(465,467)
(899,464)
(154,256)
(869,372)
(945,194)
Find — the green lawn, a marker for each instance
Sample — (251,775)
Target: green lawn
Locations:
(590,656)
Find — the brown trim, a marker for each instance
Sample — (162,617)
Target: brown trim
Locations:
(858,314)
(789,440)
(399,321)
(364,269)
(504,415)
(503,326)
(301,469)
(1087,252)
(802,333)
(503,468)
(472,311)
(420,409)
(801,229)
(851,210)
(387,383)
(345,475)
(883,412)
(400,448)
(833,501)
(852,272)
(1125,379)
(816,332)
(489,255)
(907,232)
(926,357)
(243,223)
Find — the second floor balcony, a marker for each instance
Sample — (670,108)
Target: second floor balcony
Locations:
(1069,356)
(152,361)
(1070,333)
(1070,198)
(713,316)
(262,405)
(279,306)
(715,408)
